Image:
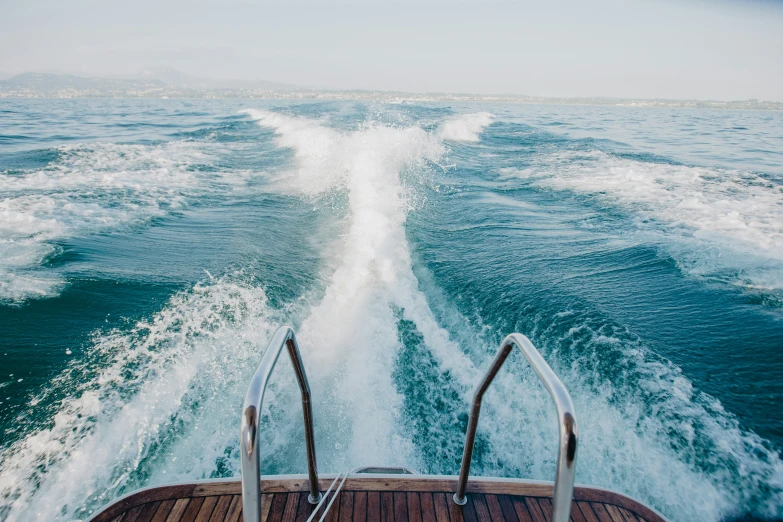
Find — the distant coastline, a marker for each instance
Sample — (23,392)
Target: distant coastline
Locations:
(36,85)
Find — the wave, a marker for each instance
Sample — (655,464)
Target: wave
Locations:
(647,430)
(717,222)
(351,334)
(159,402)
(109,427)
(466,127)
(89,189)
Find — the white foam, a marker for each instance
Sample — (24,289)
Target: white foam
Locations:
(466,127)
(352,338)
(352,333)
(739,213)
(88,189)
(165,406)
(184,368)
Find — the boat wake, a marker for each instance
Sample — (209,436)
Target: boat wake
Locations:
(718,223)
(392,367)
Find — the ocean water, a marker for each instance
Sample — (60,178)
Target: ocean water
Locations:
(149,248)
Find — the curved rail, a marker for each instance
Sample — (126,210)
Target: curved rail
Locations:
(566,453)
(249,438)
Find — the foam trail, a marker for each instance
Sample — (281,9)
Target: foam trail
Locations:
(713,220)
(352,338)
(352,332)
(109,433)
(164,407)
(466,127)
(88,189)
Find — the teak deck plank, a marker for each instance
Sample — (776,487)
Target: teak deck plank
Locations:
(387,507)
(266,506)
(600,512)
(587,511)
(373,506)
(469,512)
(520,507)
(394,500)
(507,508)
(334,511)
(614,513)
(427,507)
(192,510)
(455,511)
(480,505)
(276,507)
(291,505)
(360,506)
(221,508)
(206,509)
(234,509)
(304,509)
(534,509)
(400,506)
(576,513)
(148,511)
(495,513)
(629,517)
(133,514)
(414,507)
(546,508)
(346,506)
(163,511)
(441,510)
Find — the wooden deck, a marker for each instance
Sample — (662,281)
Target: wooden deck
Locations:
(402,498)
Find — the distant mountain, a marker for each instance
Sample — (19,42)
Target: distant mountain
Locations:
(174,78)
(149,81)
(47,83)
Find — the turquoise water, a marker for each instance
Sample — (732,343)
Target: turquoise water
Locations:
(148,249)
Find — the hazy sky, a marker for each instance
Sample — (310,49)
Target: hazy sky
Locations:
(653,49)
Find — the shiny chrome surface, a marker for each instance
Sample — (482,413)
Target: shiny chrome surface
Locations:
(566,453)
(249,433)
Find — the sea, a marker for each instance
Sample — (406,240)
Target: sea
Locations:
(149,249)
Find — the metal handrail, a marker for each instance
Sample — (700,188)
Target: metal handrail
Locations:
(251,413)
(566,453)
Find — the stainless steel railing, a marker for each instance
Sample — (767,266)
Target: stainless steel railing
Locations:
(566,453)
(251,412)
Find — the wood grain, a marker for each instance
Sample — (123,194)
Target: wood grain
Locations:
(234,509)
(360,506)
(163,511)
(521,509)
(373,506)
(373,499)
(507,507)
(546,508)
(414,507)
(400,506)
(346,506)
(441,509)
(587,511)
(576,513)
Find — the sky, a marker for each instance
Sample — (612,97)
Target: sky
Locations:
(686,49)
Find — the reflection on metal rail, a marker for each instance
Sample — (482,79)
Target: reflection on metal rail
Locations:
(566,453)
(251,412)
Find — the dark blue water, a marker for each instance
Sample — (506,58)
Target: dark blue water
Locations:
(148,249)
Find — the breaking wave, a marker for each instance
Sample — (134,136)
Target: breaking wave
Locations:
(91,189)
(466,127)
(717,223)
(392,364)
